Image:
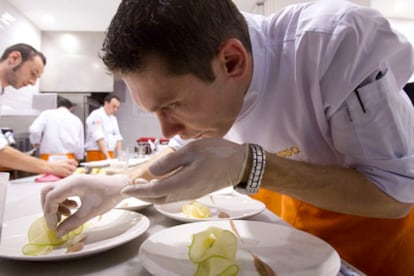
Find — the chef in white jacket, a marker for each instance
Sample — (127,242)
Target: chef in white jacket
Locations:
(103,138)
(22,65)
(306,102)
(58,132)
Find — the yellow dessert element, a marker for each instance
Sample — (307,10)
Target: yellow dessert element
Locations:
(42,240)
(214,251)
(80,170)
(97,171)
(196,210)
(83,170)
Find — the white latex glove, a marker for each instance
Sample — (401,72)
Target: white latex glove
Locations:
(197,169)
(97,193)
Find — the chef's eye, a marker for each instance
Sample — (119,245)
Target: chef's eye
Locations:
(170,107)
(35,74)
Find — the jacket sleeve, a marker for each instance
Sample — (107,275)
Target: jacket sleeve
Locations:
(371,118)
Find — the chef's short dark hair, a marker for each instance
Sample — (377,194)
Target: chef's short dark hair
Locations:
(184,35)
(64,102)
(108,98)
(26,51)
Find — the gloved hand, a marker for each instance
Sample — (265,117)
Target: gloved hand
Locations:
(97,193)
(197,169)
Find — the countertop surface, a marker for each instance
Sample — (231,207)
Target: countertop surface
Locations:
(23,198)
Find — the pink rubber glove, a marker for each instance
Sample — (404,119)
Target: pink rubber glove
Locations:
(97,193)
(197,169)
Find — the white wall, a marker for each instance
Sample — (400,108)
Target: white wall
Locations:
(73,63)
(17,28)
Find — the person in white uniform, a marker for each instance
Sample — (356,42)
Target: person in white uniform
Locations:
(103,138)
(306,102)
(22,65)
(58,132)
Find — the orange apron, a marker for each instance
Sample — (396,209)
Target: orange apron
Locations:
(46,156)
(96,155)
(374,246)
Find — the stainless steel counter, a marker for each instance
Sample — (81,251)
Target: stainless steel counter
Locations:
(23,198)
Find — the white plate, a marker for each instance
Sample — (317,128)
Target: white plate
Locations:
(236,205)
(107,162)
(133,204)
(286,250)
(104,232)
(95,164)
(135,161)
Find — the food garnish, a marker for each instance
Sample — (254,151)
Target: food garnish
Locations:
(214,251)
(261,267)
(196,210)
(222,214)
(43,240)
(77,244)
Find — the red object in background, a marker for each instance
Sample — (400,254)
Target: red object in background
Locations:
(164,141)
(143,145)
(145,139)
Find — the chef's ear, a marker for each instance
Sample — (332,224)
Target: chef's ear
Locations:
(15,58)
(234,57)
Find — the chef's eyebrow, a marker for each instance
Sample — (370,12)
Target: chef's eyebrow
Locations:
(155,108)
(162,105)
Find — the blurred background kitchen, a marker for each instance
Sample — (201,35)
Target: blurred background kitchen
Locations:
(70,34)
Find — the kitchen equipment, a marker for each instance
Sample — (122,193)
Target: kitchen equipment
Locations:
(9,135)
(145,146)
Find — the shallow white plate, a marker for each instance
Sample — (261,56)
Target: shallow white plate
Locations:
(104,232)
(286,250)
(108,162)
(133,204)
(234,204)
(135,161)
(95,164)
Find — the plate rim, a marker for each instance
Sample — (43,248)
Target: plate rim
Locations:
(140,228)
(95,164)
(158,207)
(133,208)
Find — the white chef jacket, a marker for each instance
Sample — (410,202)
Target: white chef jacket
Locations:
(3,141)
(101,125)
(58,131)
(301,104)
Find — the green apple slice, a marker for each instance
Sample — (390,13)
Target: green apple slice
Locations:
(217,266)
(40,234)
(36,249)
(42,240)
(213,242)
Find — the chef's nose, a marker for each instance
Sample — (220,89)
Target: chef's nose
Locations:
(169,127)
(33,80)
